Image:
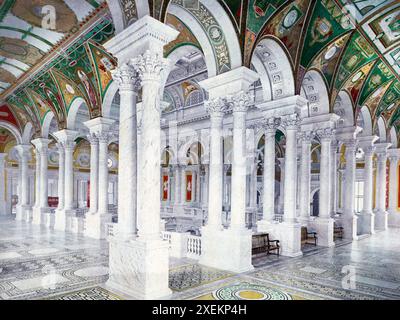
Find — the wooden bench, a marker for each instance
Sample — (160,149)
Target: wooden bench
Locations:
(308,237)
(337,231)
(262,243)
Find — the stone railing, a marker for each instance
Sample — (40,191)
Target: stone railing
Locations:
(110,229)
(183,245)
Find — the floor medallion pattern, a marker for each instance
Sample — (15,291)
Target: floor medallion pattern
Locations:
(249,291)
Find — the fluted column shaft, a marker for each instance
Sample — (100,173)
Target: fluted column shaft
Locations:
(281,185)
(305,175)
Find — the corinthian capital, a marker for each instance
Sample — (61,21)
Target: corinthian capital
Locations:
(126,77)
(216,107)
(291,121)
(325,134)
(240,101)
(306,136)
(271,124)
(149,65)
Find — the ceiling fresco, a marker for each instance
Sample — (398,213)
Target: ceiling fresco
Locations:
(354,44)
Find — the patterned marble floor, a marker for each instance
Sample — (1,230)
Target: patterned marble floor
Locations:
(36,263)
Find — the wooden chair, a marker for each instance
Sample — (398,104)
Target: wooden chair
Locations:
(272,245)
(261,243)
(308,237)
(337,231)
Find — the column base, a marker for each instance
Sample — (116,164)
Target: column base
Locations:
(228,249)
(138,268)
(50,219)
(95,225)
(77,225)
(394,218)
(62,221)
(381,220)
(324,229)
(39,215)
(304,221)
(288,234)
(23,213)
(366,222)
(349,224)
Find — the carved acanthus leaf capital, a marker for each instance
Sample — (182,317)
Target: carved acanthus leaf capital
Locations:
(271,124)
(291,121)
(216,107)
(240,101)
(126,77)
(306,136)
(149,65)
(325,134)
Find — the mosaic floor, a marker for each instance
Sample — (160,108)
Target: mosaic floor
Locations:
(36,263)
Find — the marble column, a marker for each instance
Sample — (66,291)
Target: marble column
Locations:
(94,173)
(67,137)
(230,89)
(394,212)
(23,207)
(281,185)
(3,196)
(367,215)
(305,176)
(324,223)
(59,219)
(128,81)
(291,235)
(349,219)
(381,215)
(270,125)
(39,215)
(216,110)
(139,265)
(240,103)
(104,139)
(334,177)
(101,132)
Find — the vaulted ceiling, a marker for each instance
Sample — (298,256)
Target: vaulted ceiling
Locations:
(354,45)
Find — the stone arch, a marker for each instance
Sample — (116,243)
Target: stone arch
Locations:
(48,119)
(13,129)
(27,133)
(315,90)
(380,129)
(272,63)
(108,99)
(393,137)
(364,120)
(343,107)
(223,27)
(120,19)
(73,111)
